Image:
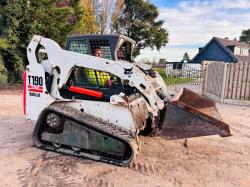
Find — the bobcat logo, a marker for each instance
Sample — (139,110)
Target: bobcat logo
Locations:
(128,72)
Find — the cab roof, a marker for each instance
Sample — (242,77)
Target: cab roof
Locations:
(103,36)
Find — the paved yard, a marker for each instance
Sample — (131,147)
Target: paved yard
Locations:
(205,161)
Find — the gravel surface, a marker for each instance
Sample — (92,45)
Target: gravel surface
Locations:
(204,161)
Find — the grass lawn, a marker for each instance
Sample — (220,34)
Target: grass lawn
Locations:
(173,80)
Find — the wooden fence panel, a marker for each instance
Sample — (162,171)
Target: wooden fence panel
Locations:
(231,76)
(228,82)
(247,92)
(227,86)
(215,77)
(239,81)
(235,80)
(244,80)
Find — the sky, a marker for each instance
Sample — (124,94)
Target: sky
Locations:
(192,23)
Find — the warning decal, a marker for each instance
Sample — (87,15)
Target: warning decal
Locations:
(37,89)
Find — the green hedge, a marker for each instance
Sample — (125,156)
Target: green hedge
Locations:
(3,73)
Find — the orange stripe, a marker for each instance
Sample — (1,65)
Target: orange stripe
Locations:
(85,91)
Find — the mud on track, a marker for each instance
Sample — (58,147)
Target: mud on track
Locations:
(203,161)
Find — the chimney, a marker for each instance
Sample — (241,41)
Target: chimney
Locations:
(200,48)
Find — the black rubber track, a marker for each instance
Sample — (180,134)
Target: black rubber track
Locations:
(99,125)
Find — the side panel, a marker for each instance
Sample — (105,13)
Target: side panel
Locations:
(36,95)
(118,115)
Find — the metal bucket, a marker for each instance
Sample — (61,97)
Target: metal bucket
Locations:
(191,115)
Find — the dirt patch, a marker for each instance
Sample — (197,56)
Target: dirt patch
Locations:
(16,89)
(11,105)
(203,161)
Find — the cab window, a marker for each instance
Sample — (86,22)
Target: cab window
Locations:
(104,82)
(124,52)
(79,46)
(104,47)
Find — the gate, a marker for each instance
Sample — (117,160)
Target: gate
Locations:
(182,75)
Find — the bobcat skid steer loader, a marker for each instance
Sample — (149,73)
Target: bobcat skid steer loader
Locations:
(92,101)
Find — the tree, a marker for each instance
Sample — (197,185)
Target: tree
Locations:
(138,21)
(106,13)
(53,20)
(185,57)
(14,24)
(87,22)
(116,13)
(3,72)
(21,19)
(245,36)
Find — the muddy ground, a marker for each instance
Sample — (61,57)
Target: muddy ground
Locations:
(204,161)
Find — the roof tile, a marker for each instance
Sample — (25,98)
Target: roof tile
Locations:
(227,42)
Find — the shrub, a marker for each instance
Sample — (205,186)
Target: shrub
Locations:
(3,73)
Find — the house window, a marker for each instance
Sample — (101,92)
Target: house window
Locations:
(241,51)
(244,52)
(237,51)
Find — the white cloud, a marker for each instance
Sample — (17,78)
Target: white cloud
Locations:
(198,21)
(171,54)
(195,22)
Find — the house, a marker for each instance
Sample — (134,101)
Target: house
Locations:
(218,49)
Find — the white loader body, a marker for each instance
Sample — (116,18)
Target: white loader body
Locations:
(61,62)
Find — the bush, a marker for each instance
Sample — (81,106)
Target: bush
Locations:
(3,73)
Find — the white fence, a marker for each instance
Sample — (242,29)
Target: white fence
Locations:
(184,75)
(190,68)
